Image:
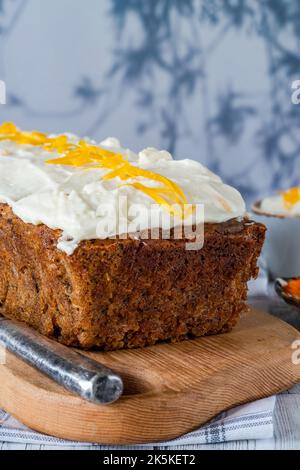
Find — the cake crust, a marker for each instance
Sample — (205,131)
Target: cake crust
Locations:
(114,294)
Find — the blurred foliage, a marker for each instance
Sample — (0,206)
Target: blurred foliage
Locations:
(87,91)
(232,116)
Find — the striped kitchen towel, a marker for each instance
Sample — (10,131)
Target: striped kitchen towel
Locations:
(251,421)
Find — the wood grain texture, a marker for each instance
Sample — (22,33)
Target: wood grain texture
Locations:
(170,389)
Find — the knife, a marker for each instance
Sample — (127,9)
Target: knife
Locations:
(77,373)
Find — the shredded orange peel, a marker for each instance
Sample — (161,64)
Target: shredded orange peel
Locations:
(291,197)
(83,154)
(293,287)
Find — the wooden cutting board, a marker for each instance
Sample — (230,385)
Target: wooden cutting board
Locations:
(170,389)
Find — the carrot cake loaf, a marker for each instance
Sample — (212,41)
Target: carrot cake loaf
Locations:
(84,255)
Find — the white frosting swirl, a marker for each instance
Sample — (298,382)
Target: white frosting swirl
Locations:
(275,205)
(72,199)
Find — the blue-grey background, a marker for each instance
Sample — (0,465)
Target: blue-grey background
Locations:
(205,79)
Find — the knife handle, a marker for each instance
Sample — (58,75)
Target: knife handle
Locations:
(74,371)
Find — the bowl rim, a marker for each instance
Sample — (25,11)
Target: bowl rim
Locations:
(279,285)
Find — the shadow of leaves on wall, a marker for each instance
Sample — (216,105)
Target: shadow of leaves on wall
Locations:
(171,48)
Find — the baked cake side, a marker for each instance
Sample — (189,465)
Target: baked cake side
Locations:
(113,294)
(66,269)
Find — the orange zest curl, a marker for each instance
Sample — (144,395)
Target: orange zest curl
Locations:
(8,131)
(291,197)
(83,154)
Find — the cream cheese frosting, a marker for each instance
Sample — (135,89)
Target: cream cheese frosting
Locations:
(77,201)
(285,204)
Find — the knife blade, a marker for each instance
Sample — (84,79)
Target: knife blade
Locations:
(77,373)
